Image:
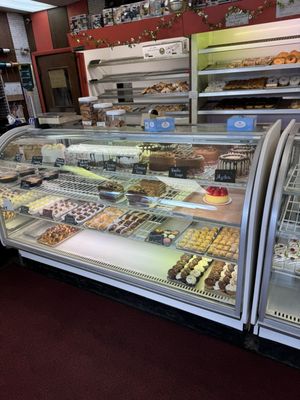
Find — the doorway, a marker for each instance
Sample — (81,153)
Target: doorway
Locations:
(59,82)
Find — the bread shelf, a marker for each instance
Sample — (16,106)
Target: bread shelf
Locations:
(133,60)
(252,45)
(253,92)
(270,111)
(259,68)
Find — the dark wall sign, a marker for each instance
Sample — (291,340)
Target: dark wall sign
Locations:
(178,172)
(139,169)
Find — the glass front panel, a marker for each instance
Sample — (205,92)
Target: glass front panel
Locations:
(167,210)
(284,289)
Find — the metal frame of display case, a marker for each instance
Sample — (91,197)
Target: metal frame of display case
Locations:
(140,283)
(280,326)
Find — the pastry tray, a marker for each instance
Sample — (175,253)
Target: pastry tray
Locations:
(101,208)
(86,224)
(62,215)
(164,223)
(57,244)
(198,225)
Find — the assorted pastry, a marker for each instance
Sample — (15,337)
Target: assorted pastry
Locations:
(84,212)
(104,219)
(165,87)
(161,108)
(162,236)
(56,234)
(189,269)
(17,198)
(127,223)
(222,277)
(226,244)
(197,239)
(58,208)
(8,215)
(285,57)
(216,195)
(289,252)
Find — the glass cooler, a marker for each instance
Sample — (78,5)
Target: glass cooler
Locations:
(167,216)
(276,305)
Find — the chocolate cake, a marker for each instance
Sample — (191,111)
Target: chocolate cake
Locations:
(235,161)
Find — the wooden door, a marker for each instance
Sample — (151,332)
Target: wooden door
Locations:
(59,81)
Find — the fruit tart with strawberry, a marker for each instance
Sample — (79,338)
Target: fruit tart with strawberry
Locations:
(216,195)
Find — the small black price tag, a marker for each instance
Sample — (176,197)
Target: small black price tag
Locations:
(178,172)
(24,209)
(37,160)
(110,165)
(59,162)
(70,219)
(155,237)
(84,164)
(18,157)
(225,175)
(47,213)
(25,185)
(139,169)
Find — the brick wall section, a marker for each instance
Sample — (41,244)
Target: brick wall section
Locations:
(19,38)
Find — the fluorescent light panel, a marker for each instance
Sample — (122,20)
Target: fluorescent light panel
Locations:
(25,5)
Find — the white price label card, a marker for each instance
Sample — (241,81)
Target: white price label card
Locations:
(7,205)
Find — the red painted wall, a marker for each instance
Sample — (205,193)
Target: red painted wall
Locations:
(80,7)
(41,31)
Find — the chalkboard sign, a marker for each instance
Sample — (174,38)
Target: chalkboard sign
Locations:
(139,169)
(178,172)
(26,77)
(155,237)
(47,213)
(70,219)
(84,164)
(110,165)
(59,162)
(18,157)
(24,209)
(37,160)
(225,175)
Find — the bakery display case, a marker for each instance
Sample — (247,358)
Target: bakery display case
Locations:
(276,312)
(253,70)
(166,216)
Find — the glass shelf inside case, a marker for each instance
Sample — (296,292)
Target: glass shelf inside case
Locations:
(170,205)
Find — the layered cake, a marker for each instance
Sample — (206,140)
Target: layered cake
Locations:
(216,195)
(141,192)
(161,160)
(247,151)
(235,161)
(209,153)
(186,157)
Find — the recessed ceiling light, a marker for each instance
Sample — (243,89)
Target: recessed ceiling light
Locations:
(25,5)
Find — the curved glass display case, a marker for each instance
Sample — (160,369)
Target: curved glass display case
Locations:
(166,216)
(278,305)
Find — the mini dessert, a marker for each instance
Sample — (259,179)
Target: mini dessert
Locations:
(287,253)
(226,244)
(223,280)
(272,83)
(8,215)
(295,80)
(56,234)
(284,81)
(164,237)
(84,212)
(235,161)
(209,153)
(198,239)
(161,160)
(279,60)
(189,269)
(105,218)
(110,190)
(291,59)
(36,206)
(216,195)
(128,223)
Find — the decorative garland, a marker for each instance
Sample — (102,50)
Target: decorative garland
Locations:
(83,38)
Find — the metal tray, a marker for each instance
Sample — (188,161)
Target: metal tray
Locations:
(57,244)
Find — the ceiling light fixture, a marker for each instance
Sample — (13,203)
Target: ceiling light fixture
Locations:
(25,5)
